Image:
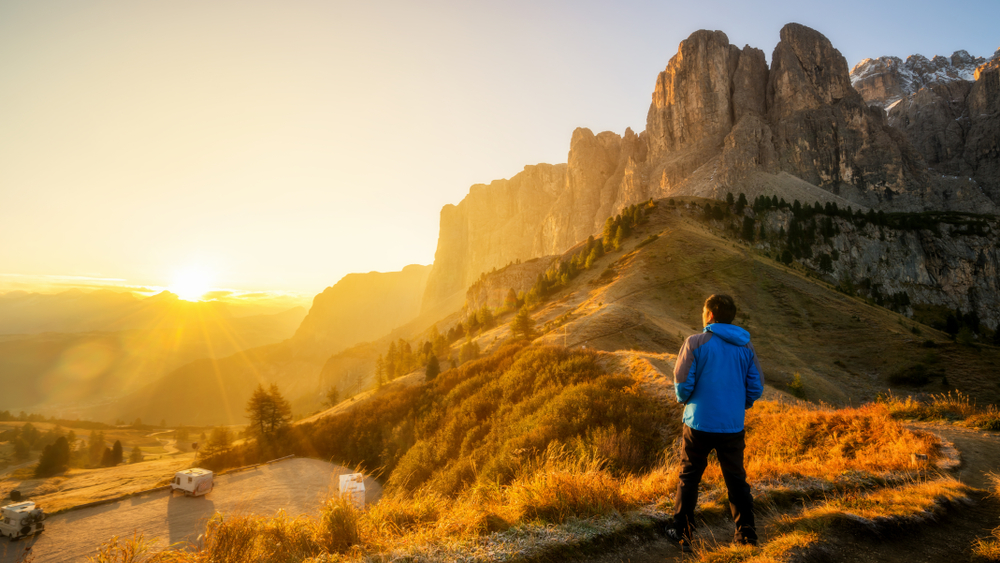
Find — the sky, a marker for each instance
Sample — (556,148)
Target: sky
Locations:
(278,146)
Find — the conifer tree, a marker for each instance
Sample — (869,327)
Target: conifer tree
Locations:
(136,455)
(433,368)
(55,458)
(117,452)
(269,413)
(523,326)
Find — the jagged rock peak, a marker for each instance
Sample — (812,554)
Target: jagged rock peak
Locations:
(691,101)
(885,80)
(807,72)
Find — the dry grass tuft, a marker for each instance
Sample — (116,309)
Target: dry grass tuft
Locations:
(947,407)
(989,549)
(912,502)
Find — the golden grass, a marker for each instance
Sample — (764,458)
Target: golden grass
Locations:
(989,549)
(947,407)
(913,501)
(843,456)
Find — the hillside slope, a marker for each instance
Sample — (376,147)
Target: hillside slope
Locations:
(648,296)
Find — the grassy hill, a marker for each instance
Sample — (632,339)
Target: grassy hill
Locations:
(543,451)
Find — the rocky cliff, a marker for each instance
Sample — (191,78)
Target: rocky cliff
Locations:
(947,108)
(358,308)
(720,120)
(886,80)
(948,261)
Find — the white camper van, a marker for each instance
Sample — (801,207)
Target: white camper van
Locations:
(193,482)
(21,519)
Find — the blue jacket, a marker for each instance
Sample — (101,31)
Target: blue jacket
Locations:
(717,377)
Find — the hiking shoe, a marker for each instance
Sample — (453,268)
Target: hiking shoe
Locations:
(682,541)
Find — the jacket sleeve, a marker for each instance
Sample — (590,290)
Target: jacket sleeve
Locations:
(754,378)
(684,372)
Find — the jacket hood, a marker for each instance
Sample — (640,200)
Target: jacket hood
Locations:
(730,333)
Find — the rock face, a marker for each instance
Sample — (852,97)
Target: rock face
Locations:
(946,108)
(492,289)
(886,80)
(950,266)
(358,308)
(542,210)
(721,121)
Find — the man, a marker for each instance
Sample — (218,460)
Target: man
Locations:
(717,377)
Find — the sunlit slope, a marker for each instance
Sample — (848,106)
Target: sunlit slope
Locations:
(62,373)
(649,298)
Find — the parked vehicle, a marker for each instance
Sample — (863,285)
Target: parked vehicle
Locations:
(193,482)
(20,520)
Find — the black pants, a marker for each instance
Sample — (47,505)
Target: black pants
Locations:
(694,458)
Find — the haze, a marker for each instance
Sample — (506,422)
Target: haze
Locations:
(280,146)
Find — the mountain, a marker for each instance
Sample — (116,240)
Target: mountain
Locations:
(885,81)
(949,110)
(215,390)
(62,373)
(720,121)
(360,307)
(105,310)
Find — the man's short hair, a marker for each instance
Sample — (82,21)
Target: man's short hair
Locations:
(722,307)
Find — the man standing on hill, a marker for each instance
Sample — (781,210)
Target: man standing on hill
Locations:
(717,377)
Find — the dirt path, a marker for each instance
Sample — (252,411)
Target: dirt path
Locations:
(297,486)
(950,539)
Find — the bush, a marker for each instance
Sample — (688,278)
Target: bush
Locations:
(338,525)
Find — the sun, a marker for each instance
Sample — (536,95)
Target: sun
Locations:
(190,284)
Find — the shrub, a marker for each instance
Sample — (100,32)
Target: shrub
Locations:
(796,388)
(338,525)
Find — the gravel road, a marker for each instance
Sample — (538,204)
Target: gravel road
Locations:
(297,485)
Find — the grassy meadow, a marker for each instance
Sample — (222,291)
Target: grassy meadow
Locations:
(534,448)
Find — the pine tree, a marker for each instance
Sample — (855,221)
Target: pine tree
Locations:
(747,232)
(523,326)
(117,452)
(96,446)
(136,455)
(741,203)
(380,371)
(269,413)
(433,368)
(55,458)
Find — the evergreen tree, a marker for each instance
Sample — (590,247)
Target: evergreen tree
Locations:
(96,446)
(380,371)
(747,232)
(523,326)
(729,198)
(741,203)
(332,397)
(269,413)
(117,454)
(433,368)
(55,458)
(30,435)
(136,455)
(616,243)
(107,458)
(220,440)
(469,351)
(825,263)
